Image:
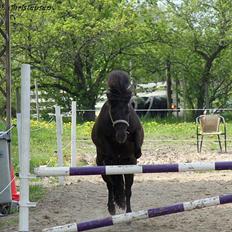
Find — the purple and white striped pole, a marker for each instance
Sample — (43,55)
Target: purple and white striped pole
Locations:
(130,169)
(143,214)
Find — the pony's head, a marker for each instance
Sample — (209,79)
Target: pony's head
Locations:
(119,95)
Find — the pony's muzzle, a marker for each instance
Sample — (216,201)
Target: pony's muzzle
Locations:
(121,137)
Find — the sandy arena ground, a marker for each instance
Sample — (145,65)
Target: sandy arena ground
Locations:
(85,198)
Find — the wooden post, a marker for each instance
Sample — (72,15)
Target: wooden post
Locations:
(8,65)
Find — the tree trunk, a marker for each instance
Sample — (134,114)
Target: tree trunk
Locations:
(177,97)
(206,87)
(18,100)
(169,84)
(200,99)
(203,96)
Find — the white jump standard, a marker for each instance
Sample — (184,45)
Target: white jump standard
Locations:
(143,214)
(129,169)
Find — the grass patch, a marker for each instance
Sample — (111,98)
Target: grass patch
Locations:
(37,192)
(11,220)
(43,147)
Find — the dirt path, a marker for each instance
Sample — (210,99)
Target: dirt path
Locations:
(84,198)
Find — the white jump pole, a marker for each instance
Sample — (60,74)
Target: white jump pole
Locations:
(59,141)
(73,135)
(24,149)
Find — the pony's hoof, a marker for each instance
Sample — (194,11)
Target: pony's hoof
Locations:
(112,210)
(120,201)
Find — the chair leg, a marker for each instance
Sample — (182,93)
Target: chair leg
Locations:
(201,143)
(219,141)
(198,143)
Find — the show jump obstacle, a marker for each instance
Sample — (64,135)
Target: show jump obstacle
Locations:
(100,170)
(143,214)
(131,169)
(24,156)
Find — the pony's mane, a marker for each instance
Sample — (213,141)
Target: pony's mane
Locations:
(119,86)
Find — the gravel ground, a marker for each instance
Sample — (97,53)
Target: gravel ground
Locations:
(84,198)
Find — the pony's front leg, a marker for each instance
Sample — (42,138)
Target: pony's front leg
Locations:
(138,151)
(108,181)
(129,179)
(138,140)
(110,204)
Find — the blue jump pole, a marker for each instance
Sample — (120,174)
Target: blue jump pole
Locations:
(130,169)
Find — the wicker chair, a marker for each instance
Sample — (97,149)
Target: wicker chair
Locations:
(210,125)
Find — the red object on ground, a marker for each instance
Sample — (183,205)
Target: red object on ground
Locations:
(14,193)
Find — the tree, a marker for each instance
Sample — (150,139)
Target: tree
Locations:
(74,47)
(203,29)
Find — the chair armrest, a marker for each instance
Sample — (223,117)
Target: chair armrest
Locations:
(223,122)
(197,119)
(222,119)
(197,124)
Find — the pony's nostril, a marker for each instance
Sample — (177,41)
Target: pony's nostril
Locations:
(121,141)
(121,138)
(124,139)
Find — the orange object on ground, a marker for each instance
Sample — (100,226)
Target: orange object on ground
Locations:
(14,193)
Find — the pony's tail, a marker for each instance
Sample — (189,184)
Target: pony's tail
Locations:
(119,190)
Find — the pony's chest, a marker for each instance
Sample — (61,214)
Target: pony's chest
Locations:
(113,142)
(122,150)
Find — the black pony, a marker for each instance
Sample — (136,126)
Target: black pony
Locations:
(118,136)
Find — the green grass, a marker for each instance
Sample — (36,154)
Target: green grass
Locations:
(37,192)
(11,220)
(43,146)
